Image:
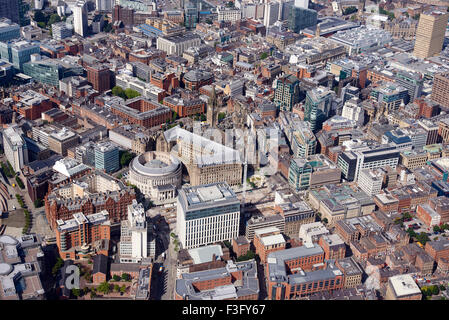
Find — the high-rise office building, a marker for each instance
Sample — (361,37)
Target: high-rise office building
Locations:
(301,18)
(430,34)
(15,10)
(15,147)
(107,157)
(286,93)
(207,214)
(190,16)
(440,89)
(80,18)
(104,5)
(271,14)
(318,106)
(413,82)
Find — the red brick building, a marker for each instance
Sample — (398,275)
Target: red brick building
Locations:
(74,234)
(99,77)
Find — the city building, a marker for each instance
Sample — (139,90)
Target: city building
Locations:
(157,175)
(106,156)
(430,34)
(21,268)
(370,181)
(99,76)
(15,147)
(80,26)
(137,243)
(301,18)
(440,89)
(301,271)
(78,236)
(402,287)
(286,93)
(310,233)
(8,30)
(62,140)
(18,51)
(313,171)
(207,214)
(235,281)
(206,161)
(268,240)
(61,30)
(177,44)
(317,106)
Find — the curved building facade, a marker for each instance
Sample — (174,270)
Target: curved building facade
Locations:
(157,175)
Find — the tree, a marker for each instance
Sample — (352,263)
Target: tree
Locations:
(53,19)
(436,229)
(325,220)
(263,55)
(20,182)
(444,226)
(349,10)
(59,263)
(248,256)
(209,21)
(435,290)
(130,93)
(116,288)
(422,237)
(76,292)
(416,16)
(125,158)
(93,294)
(123,289)
(126,277)
(116,278)
(221,116)
(411,233)
(229,4)
(175,116)
(118,91)
(104,287)
(39,16)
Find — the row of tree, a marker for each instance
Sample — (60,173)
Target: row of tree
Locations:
(125,94)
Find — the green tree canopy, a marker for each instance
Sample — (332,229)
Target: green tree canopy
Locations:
(53,19)
(125,158)
(118,91)
(130,93)
(104,287)
(349,10)
(126,277)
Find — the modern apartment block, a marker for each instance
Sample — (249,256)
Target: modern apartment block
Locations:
(207,214)
(76,236)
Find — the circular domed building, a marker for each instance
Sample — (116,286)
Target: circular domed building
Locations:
(157,175)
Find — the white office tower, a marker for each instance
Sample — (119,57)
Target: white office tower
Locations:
(135,246)
(302,4)
(207,214)
(39,4)
(104,5)
(352,111)
(80,18)
(271,13)
(15,147)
